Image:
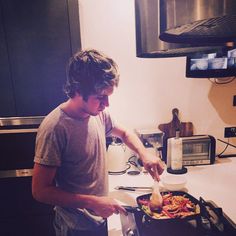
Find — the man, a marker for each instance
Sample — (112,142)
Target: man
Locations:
(70,157)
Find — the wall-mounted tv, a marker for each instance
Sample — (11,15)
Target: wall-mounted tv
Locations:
(212,65)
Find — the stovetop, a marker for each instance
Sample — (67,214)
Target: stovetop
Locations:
(212,222)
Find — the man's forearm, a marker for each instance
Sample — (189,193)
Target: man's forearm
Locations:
(101,206)
(55,196)
(134,143)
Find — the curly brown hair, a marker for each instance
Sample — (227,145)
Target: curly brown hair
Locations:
(89,72)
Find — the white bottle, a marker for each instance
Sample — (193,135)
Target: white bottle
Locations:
(176,152)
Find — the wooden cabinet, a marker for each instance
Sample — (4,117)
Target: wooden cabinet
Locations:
(7,103)
(37,39)
(20,213)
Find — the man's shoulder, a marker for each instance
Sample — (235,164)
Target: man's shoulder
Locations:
(52,120)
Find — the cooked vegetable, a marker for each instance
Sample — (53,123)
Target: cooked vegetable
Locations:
(174,206)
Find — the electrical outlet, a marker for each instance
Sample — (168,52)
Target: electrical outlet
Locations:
(234,100)
(230,132)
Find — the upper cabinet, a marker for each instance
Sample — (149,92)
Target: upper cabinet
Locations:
(7,102)
(37,39)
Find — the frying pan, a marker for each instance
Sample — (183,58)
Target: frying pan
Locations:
(174,193)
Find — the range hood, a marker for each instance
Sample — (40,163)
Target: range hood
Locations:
(172,28)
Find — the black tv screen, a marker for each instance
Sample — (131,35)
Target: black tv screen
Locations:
(212,65)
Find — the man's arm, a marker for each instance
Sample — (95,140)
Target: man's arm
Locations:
(44,190)
(150,162)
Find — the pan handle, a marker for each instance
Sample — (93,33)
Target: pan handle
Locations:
(131,209)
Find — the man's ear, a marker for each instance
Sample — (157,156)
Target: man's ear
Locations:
(78,96)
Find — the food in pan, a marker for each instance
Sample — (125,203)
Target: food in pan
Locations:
(174,206)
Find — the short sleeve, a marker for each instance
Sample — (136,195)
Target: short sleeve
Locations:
(108,122)
(49,146)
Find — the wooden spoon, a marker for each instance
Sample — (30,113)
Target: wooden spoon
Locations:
(156,199)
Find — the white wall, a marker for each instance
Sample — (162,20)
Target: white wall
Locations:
(150,88)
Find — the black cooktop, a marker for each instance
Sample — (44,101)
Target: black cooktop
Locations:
(212,222)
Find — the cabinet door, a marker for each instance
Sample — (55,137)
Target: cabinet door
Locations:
(21,214)
(39,46)
(7,104)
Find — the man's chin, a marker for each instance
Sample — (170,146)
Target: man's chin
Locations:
(100,110)
(95,113)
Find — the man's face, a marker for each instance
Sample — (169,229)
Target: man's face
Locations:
(97,102)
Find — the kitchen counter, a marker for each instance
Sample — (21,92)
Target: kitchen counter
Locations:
(212,182)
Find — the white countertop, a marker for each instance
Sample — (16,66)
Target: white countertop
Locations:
(212,182)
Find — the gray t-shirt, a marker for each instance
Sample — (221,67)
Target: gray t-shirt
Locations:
(78,149)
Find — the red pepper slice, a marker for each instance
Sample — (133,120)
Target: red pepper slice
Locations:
(183,203)
(168,213)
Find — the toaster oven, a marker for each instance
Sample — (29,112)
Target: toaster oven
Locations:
(197,150)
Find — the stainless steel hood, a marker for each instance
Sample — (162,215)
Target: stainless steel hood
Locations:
(170,28)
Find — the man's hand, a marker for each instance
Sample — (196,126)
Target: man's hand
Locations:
(106,206)
(152,164)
